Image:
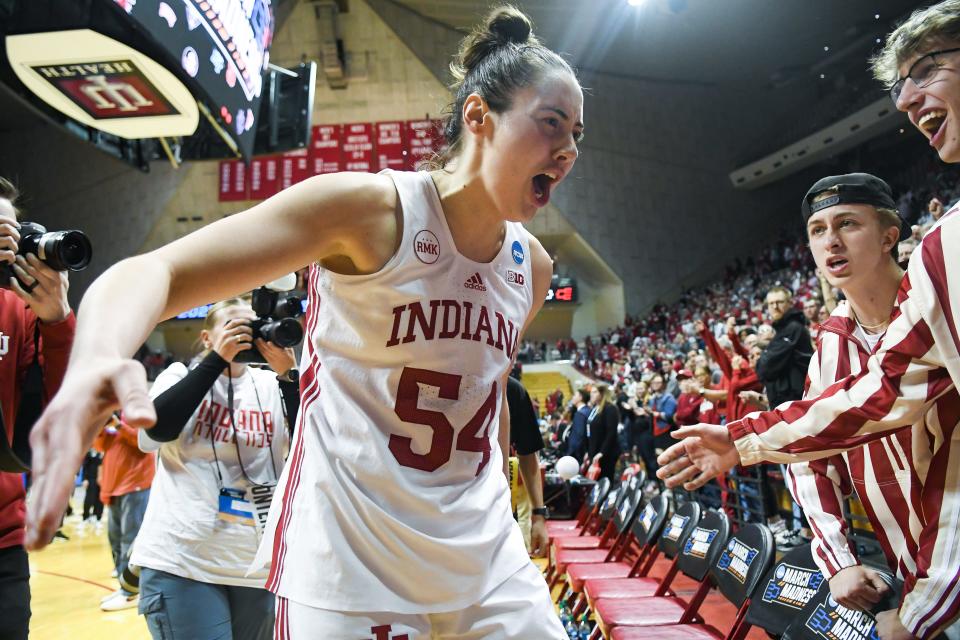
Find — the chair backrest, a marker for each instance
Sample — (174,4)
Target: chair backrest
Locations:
(678,528)
(824,617)
(627,512)
(743,562)
(704,545)
(649,522)
(784,591)
(611,503)
(599,492)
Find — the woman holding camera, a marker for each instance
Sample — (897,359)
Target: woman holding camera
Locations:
(222,442)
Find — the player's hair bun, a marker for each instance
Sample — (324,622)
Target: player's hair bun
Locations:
(504,26)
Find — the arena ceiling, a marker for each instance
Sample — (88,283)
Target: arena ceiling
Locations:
(761,43)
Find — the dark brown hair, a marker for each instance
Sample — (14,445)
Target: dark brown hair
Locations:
(9,191)
(499,57)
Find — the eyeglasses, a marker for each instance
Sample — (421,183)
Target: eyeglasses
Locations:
(921,72)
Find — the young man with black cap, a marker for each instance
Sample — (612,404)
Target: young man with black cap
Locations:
(912,372)
(853,230)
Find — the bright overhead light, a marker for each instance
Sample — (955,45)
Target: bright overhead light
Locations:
(635,3)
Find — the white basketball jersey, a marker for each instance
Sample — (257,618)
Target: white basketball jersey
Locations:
(394,497)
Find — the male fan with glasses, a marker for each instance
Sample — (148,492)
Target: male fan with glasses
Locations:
(915,365)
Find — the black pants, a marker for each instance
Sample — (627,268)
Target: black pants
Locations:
(648,453)
(14,594)
(91,502)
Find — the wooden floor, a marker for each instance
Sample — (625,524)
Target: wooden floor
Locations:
(67,581)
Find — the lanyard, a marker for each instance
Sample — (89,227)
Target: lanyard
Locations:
(236,444)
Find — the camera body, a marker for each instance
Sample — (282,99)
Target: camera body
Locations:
(60,250)
(276,322)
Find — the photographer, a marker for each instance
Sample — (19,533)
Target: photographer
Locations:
(40,318)
(222,444)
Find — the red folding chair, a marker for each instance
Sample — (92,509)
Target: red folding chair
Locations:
(700,551)
(589,510)
(645,531)
(614,549)
(736,573)
(671,543)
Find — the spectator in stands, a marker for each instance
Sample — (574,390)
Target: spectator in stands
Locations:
(42,317)
(661,407)
(783,365)
(602,424)
(811,311)
(126,476)
(576,440)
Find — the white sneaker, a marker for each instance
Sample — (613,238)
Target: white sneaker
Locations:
(119,600)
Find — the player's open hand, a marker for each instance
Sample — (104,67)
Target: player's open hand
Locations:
(704,452)
(90,392)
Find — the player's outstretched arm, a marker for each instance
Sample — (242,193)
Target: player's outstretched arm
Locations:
(349,215)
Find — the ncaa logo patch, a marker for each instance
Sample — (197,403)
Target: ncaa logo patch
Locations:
(517,251)
(426,246)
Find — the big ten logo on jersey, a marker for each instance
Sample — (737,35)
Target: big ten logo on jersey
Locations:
(426,246)
(4,345)
(736,560)
(833,621)
(699,542)
(253,428)
(792,586)
(385,632)
(515,278)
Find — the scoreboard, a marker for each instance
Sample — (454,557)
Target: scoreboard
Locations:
(222,48)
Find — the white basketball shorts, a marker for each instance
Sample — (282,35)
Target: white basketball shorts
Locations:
(518,609)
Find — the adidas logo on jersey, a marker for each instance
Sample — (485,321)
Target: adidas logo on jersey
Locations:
(475,282)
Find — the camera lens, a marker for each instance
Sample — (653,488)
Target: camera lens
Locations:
(289,307)
(63,250)
(283,333)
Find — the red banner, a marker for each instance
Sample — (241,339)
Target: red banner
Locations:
(264,177)
(391,146)
(424,138)
(325,149)
(358,147)
(233,181)
(294,167)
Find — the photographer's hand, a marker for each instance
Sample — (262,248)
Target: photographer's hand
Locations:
(47,296)
(9,237)
(236,336)
(280,360)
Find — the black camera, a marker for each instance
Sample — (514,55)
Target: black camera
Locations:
(60,250)
(276,322)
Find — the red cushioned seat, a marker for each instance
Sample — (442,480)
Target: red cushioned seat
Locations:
(561,525)
(638,612)
(567,557)
(619,587)
(577,542)
(577,574)
(671,632)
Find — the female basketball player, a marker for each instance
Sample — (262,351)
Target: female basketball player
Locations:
(222,442)
(392,516)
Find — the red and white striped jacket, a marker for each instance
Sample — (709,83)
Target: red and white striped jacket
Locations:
(908,382)
(887,474)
